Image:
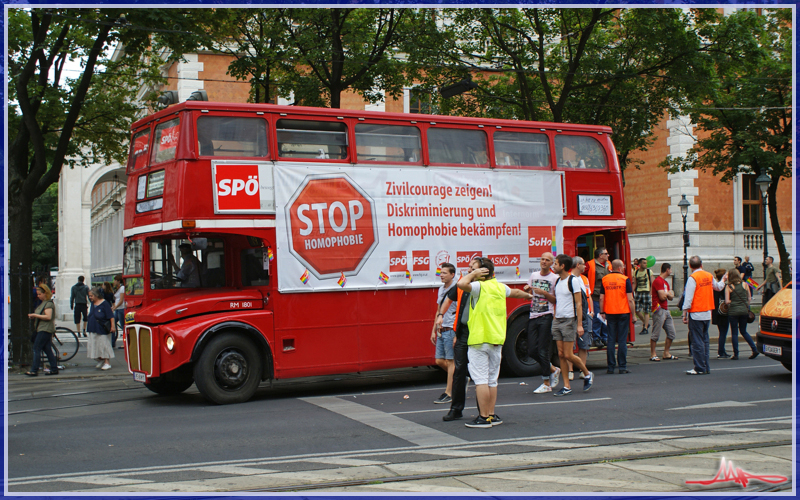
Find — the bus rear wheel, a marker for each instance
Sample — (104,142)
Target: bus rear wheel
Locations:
(515,350)
(229,369)
(174,382)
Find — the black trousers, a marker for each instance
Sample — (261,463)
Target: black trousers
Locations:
(460,372)
(540,343)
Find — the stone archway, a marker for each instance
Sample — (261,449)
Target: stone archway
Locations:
(75,223)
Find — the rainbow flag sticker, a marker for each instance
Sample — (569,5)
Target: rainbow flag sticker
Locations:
(383,277)
(438,271)
(271,255)
(553,247)
(342,281)
(751,282)
(408,276)
(304,277)
(516,271)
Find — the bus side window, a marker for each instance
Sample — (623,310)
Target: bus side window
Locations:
(231,136)
(579,151)
(311,139)
(253,272)
(214,269)
(521,149)
(459,146)
(388,143)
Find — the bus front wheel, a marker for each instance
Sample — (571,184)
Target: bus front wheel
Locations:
(229,369)
(174,382)
(515,350)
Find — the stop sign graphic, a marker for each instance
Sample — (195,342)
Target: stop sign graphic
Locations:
(332,225)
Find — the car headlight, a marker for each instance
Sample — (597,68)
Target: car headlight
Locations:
(170,343)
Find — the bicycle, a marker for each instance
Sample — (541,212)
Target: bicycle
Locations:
(66,346)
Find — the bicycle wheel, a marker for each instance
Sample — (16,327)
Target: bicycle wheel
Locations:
(65,343)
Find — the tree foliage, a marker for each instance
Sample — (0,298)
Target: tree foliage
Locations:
(745,106)
(617,67)
(58,116)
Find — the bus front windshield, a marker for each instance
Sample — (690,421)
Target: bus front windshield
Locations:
(181,263)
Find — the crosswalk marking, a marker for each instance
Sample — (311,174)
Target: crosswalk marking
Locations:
(390,424)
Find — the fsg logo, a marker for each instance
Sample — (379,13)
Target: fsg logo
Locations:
(237,187)
(398,262)
(541,239)
(421,260)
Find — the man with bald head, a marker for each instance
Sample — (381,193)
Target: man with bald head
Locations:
(616,305)
(540,338)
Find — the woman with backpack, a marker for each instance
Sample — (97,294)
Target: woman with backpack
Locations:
(737,296)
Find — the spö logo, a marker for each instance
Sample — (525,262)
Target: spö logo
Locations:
(237,187)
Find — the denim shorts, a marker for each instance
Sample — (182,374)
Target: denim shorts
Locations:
(444,344)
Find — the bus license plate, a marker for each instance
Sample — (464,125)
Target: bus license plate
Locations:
(771,349)
(139,377)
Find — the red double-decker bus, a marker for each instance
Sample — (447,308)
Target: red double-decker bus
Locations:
(269,242)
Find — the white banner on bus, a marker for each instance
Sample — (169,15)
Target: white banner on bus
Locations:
(346,228)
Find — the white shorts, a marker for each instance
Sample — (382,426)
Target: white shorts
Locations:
(484,363)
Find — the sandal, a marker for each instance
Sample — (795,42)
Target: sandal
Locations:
(671,357)
(31,374)
(655,358)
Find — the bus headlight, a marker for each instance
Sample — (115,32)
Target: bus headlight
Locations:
(170,343)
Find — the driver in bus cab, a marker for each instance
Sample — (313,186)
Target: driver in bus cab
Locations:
(189,272)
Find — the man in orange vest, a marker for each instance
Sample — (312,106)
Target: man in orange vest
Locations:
(616,304)
(697,305)
(596,269)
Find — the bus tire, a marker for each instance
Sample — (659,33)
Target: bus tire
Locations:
(171,383)
(787,365)
(515,350)
(229,369)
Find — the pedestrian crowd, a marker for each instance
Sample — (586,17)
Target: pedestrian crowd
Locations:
(577,305)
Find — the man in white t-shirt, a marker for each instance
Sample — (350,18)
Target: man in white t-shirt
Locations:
(443,336)
(568,321)
(541,347)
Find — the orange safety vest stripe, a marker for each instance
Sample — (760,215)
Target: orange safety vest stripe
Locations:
(588,295)
(591,272)
(703,298)
(616,298)
(458,307)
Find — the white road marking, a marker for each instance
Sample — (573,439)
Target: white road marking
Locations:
(384,422)
(556,402)
(731,425)
(729,404)
(744,367)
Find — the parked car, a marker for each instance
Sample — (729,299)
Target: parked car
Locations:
(774,336)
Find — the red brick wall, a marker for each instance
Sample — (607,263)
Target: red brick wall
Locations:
(714,203)
(645,191)
(215,68)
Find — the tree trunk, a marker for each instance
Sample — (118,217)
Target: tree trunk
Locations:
(20,278)
(772,204)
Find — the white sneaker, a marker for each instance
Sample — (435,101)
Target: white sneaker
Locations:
(554,377)
(582,375)
(100,364)
(542,389)
(106,367)
(571,375)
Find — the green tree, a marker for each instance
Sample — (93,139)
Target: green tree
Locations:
(333,50)
(55,118)
(745,106)
(615,67)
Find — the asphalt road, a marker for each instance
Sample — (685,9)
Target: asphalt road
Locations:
(112,434)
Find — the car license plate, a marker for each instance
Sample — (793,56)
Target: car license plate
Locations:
(771,349)
(139,377)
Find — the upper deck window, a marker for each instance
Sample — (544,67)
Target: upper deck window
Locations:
(579,151)
(139,149)
(388,143)
(521,149)
(231,136)
(458,146)
(312,139)
(166,141)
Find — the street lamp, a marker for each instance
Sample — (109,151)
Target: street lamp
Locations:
(763,181)
(684,206)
